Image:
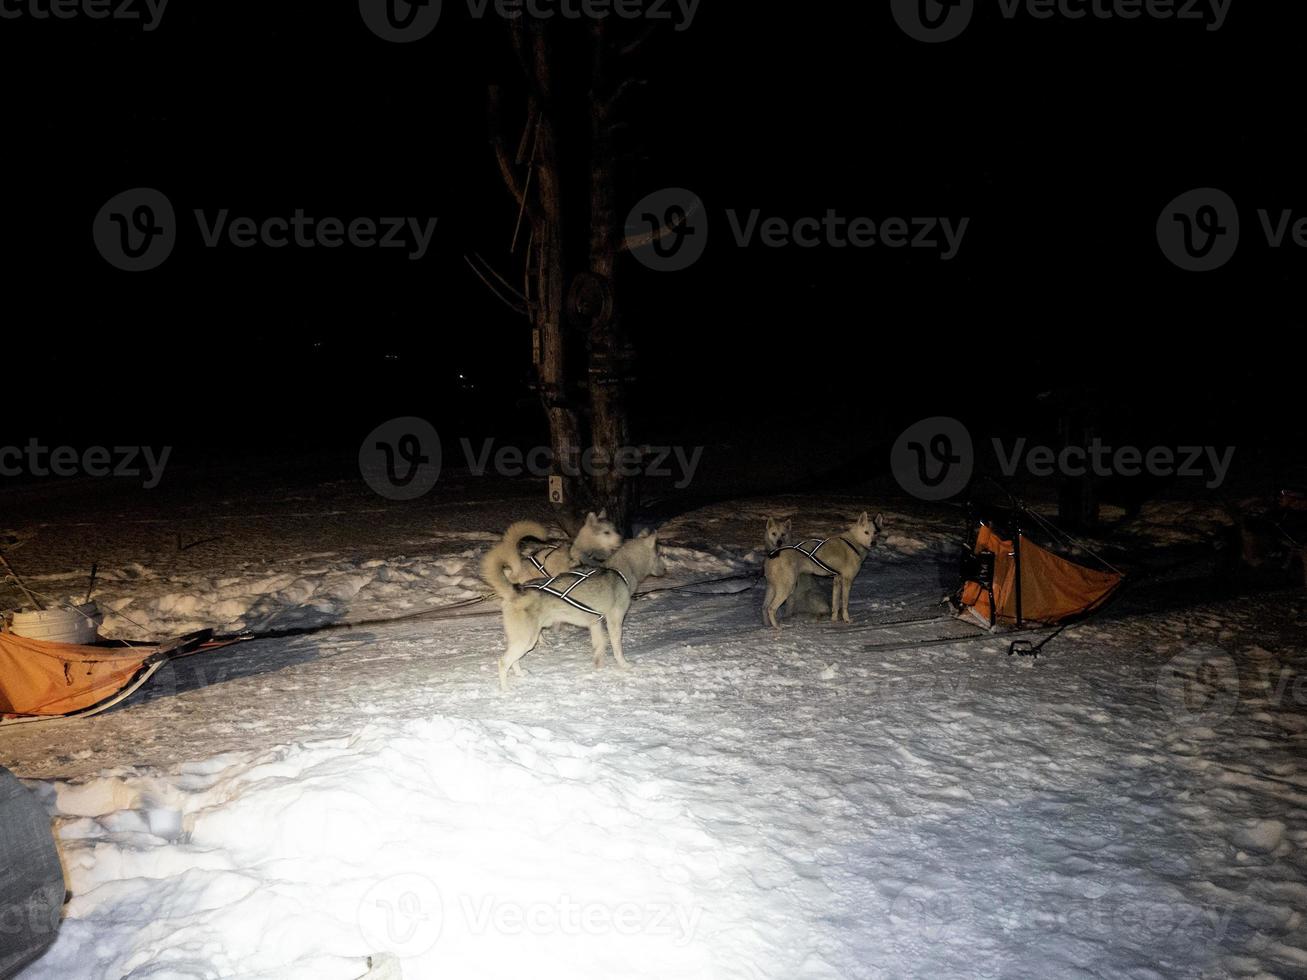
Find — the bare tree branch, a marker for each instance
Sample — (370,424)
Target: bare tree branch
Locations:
(515,301)
(633,46)
(501,153)
(606,107)
(632,242)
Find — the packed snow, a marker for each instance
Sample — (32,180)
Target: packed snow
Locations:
(817,803)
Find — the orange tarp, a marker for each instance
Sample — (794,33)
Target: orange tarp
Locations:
(42,678)
(1052,588)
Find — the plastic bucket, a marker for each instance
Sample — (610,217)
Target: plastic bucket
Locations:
(60,625)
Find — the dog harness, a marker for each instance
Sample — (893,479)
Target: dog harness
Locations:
(538,560)
(547,586)
(811,553)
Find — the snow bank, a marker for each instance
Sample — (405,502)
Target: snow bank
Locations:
(468,849)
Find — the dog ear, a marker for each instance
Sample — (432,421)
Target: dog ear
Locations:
(591,520)
(879,521)
(788,522)
(862,519)
(603,514)
(771,523)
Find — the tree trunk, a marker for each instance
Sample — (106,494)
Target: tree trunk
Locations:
(560,246)
(609,428)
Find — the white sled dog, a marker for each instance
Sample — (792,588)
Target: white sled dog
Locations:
(590,597)
(839,557)
(596,542)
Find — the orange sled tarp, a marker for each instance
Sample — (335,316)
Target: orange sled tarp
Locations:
(1052,588)
(43,679)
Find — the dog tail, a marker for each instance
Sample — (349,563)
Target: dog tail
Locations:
(506,556)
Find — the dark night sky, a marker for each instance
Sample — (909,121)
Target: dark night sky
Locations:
(1061,141)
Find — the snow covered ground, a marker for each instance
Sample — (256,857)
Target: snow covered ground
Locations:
(739,804)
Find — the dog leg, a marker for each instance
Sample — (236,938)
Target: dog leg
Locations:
(599,643)
(768,616)
(835,599)
(615,634)
(518,647)
(782,588)
(844,600)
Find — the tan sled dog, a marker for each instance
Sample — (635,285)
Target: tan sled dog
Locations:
(809,600)
(595,543)
(589,597)
(840,558)
(777,535)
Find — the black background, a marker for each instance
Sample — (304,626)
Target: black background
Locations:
(1061,140)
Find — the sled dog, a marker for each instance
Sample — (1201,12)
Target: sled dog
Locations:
(777,535)
(595,543)
(839,557)
(809,599)
(591,597)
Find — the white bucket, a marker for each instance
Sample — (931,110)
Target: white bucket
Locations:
(60,625)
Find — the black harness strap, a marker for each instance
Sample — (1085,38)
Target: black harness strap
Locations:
(538,560)
(809,553)
(858,552)
(547,587)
